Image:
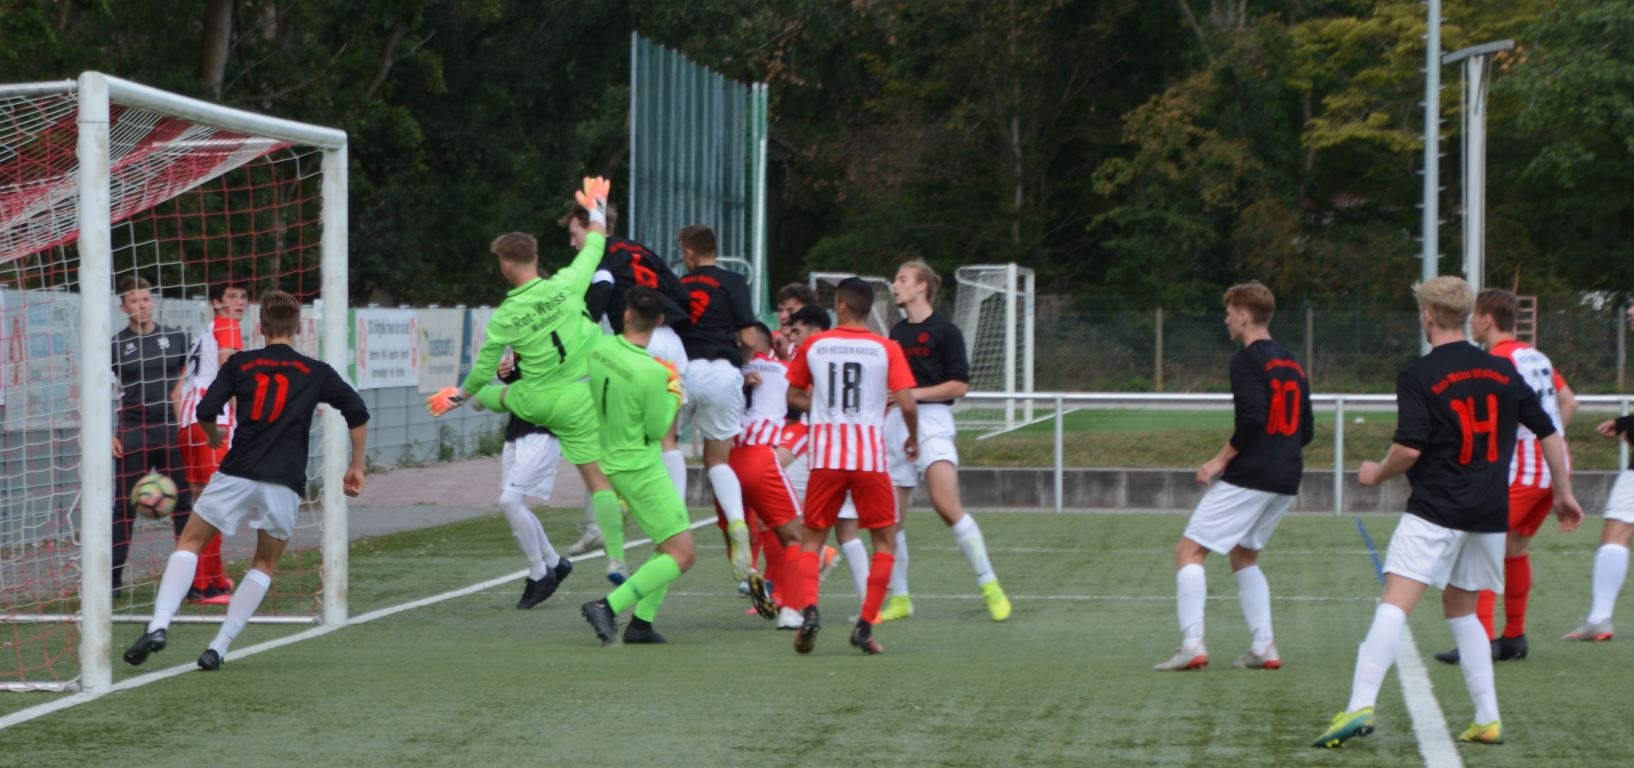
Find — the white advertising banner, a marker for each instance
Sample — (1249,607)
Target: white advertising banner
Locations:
(386,348)
(442,332)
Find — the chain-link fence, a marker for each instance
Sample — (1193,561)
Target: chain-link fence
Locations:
(1345,349)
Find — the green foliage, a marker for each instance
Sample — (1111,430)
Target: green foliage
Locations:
(1130,151)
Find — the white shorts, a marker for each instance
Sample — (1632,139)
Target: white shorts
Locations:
(936,432)
(665,345)
(799,474)
(229,501)
(1620,502)
(1430,554)
(528,465)
(1230,516)
(714,402)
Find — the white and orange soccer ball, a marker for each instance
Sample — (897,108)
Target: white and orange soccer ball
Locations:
(154,496)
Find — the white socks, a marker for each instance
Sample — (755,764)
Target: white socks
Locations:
(1379,651)
(1610,567)
(530,535)
(1255,594)
(969,536)
(1475,658)
(246,599)
(728,492)
(899,569)
(1191,590)
(173,588)
(856,561)
(676,465)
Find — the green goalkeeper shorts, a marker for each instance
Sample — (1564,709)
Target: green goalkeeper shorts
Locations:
(653,501)
(569,412)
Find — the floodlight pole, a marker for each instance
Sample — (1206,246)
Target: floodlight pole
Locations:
(1477,74)
(1432,146)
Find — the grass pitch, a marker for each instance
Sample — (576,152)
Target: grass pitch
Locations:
(472,681)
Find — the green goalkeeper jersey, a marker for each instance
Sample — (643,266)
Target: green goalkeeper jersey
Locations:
(633,404)
(544,321)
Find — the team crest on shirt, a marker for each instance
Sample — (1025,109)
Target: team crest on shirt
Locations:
(130,348)
(924,338)
(164,342)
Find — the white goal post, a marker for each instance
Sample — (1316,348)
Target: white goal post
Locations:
(82,198)
(994,307)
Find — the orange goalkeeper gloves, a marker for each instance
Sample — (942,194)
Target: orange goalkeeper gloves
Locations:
(674,382)
(593,198)
(445,400)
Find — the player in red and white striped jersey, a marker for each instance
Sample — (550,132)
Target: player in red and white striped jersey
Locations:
(844,379)
(759,460)
(1531,489)
(212,345)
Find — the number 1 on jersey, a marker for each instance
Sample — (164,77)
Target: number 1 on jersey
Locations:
(264,382)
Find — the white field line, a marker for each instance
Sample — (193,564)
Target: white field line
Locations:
(974,595)
(1429,724)
(33,713)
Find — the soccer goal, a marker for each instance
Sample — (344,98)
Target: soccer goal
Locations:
(994,308)
(103,181)
(884,313)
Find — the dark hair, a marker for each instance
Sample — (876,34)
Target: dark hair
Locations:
(1500,305)
(812,316)
(130,283)
(856,295)
(576,211)
(763,332)
(516,247)
(799,292)
(280,314)
(697,238)
(218,289)
(646,308)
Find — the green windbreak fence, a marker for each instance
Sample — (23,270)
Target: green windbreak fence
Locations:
(697,156)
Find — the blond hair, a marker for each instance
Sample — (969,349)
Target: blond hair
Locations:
(516,247)
(1449,300)
(927,276)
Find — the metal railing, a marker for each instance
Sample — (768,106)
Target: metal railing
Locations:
(1219,401)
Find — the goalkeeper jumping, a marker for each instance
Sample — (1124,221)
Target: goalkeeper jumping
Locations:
(544,322)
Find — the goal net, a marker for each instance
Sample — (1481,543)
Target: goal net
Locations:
(126,215)
(881,317)
(994,308)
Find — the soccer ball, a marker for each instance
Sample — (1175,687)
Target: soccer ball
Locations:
(154,496)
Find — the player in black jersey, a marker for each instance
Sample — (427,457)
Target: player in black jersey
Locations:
(1456,414)
(263,477)
(935,350)
(527,467)
(1611,559)
(149,361)
(721,322)
(1252,481)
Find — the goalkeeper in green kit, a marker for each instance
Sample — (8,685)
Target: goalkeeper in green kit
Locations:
(636,397)
(544,322)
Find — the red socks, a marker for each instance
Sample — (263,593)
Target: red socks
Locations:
(879,579)
(1517,587)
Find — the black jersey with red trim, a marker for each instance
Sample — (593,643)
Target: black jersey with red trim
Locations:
(1274,421)
(1459,407)
(277,389)
(935,349)
(627,264)
(718,299)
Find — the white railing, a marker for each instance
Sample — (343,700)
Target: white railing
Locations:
(1339,403)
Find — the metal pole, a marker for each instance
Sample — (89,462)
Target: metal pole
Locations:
(1010,351)
(1339,456)
(1157,364)
(1622,352)
(635,131)
(1475,98)
(96,474)
(1029,329)
(1060,460)
(337,444)
(1432,148)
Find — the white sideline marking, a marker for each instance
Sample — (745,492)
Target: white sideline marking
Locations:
(974,595)
(73,700)
(1429,724)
